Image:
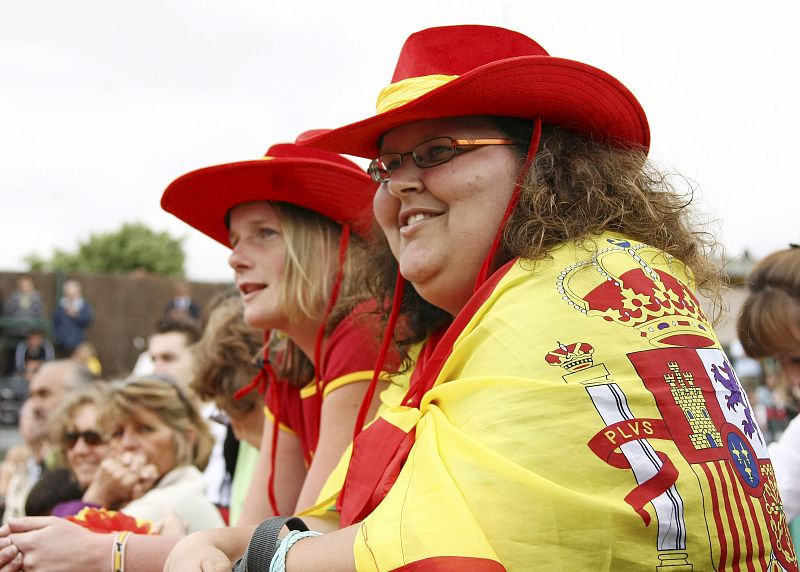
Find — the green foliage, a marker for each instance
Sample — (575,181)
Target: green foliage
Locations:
(133,247)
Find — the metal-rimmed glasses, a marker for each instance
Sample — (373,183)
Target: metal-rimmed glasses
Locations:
(427,154)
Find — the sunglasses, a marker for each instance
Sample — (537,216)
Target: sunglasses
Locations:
(427,154)
(90,437)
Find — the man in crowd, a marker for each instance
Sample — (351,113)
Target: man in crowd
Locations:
(71,318)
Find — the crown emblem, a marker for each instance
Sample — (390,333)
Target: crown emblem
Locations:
(619,285)
(572,357)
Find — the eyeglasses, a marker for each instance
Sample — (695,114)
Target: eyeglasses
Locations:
(427,154)
(90,437)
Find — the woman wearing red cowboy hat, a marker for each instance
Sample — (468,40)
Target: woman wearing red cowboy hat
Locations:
(578,413)
(287,219)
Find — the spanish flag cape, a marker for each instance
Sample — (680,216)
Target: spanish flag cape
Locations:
(579,415)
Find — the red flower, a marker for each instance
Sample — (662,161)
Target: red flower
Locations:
(102,520)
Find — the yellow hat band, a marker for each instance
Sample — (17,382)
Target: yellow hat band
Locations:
(407,90)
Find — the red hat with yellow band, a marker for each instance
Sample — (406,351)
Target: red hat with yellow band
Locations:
(455,71)
(318,180)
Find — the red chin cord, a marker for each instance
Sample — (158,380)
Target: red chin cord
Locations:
(344,241)
(400,284)
(488,263)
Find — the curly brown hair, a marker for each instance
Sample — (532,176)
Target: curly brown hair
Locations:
(225,358)
(578,188)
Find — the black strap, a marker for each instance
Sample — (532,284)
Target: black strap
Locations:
(264,542)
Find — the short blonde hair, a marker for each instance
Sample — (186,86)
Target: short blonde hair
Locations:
(169,402)
(312,260)
(769,324)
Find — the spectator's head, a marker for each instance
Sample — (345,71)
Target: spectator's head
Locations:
(155,417)
(225,362)
(32,429)
(170,348)
(51,383)
(75,430)
(25,283)
(769,325)
(35,337)
(71,289)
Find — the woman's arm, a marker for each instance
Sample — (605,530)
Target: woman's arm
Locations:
(332,552)
(337,421)
(289,477)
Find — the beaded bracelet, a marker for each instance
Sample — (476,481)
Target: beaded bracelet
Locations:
(118,551)
(278,563)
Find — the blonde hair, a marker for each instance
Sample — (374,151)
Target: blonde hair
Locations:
(312,260)
(95,394)
(225,358)
(769,324)
(164,398)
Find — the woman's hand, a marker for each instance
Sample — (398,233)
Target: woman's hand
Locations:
(121,479)
(49,544)
(196,554)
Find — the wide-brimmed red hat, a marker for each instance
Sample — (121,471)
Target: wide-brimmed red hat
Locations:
(455,71)
(318,180)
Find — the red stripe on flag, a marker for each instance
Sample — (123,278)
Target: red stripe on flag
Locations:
(733,480)
(452,564)
(721,532)
(723,490)
(759,534)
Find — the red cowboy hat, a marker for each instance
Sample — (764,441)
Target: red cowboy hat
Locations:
(320,181)
(455,71)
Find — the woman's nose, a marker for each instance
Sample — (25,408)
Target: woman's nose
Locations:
(238,259)
(406,179)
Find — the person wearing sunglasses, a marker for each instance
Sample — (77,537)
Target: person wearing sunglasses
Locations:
(81,446)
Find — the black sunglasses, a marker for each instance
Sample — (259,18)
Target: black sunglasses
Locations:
(90,437)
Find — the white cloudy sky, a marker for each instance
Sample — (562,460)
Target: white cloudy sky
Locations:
(104,102)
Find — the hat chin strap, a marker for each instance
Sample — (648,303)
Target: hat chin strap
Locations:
(483,274)
(488,265)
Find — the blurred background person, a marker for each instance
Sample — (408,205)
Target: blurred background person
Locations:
(35,347)
(225,363)
(80,446)
(23,463)
(182,305)
(71,318)
(86,354)
(23,310)
(769,330)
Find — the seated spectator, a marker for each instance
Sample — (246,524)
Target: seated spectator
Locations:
(71,318)
(23,310)
(86,355)
(23,463)
(35,347)
(224,365)
(81,446)
(152,419)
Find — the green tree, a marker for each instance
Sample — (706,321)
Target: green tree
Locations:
(132,247)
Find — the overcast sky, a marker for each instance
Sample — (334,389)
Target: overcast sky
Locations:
(104,102)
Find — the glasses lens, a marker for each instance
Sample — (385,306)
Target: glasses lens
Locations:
(70,438)
(433,152)
(92,438)
(376,171)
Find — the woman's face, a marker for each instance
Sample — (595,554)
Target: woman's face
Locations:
(258,260)
(144,432)
(440,221)
(790,365)
(83,458)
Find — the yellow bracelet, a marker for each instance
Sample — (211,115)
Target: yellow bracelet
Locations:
(118,551)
